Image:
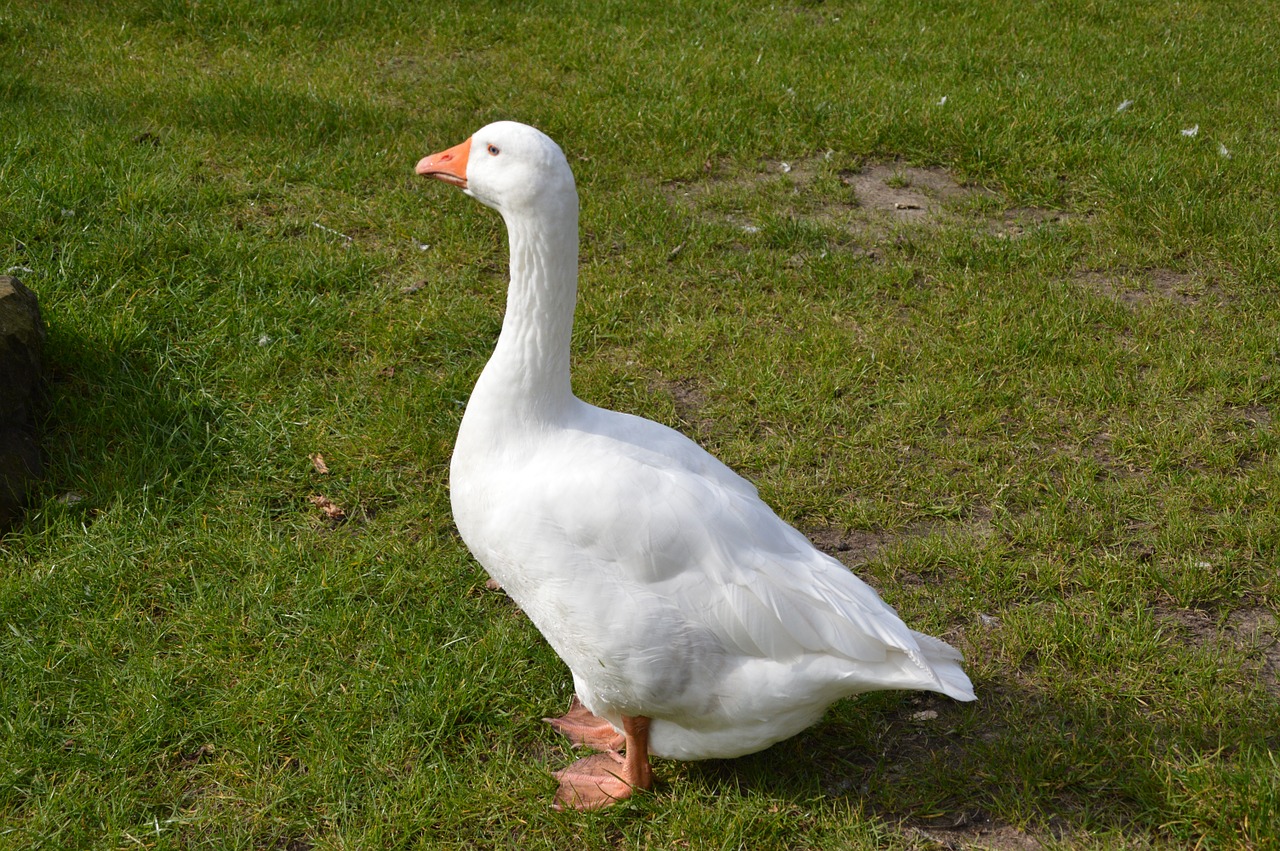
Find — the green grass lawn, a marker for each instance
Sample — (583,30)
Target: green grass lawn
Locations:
(1008,349)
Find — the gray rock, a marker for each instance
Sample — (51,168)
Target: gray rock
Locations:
(22,384)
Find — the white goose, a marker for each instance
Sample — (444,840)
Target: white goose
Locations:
(696,622)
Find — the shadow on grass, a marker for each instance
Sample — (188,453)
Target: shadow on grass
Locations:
(122,421)
(1060,769)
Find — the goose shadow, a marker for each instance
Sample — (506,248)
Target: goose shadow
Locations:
(958,773)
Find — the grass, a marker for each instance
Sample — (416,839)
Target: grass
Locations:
(1035,409)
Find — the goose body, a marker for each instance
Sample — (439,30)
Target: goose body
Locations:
(672,592)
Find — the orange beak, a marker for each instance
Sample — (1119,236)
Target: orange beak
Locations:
(449,166)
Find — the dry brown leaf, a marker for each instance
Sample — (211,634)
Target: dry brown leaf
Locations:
(317,461)
(331,509)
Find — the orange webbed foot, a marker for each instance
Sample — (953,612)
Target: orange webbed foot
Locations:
(582,727)
(592,783)
(605,778)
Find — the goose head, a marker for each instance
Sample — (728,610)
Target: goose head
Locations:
(513,168)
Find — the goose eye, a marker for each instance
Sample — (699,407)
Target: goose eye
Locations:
(493,150)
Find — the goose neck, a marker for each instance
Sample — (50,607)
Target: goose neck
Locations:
(531,361)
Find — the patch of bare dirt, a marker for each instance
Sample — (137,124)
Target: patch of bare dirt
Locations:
(869,205)
(1099,449)
(972,831)
(906,193)
(1019,221)
(856,547)
(1146,286)
(689,401)
(1178,286)
(1256,632)
(1195,626)
(687,398)
(859,546)
(1253,631)
(1258,415)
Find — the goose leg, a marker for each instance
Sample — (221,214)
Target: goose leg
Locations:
(582,727)
(605,778)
